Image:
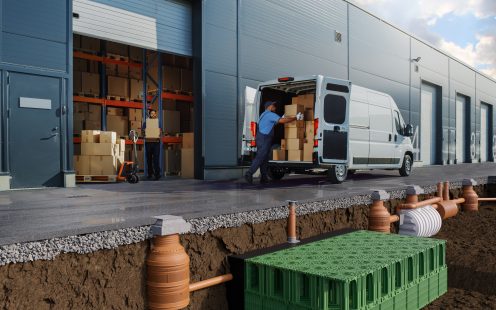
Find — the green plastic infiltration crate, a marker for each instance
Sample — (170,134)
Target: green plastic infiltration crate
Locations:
(358,270)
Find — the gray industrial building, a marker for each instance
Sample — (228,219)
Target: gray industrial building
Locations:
(233,44)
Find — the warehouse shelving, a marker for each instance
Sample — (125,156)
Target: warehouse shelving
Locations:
(156,96)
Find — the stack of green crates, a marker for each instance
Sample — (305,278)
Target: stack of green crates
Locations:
(358,270)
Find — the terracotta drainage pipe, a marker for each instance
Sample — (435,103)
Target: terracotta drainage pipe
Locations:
(168,276)
(210,282)
(292,222)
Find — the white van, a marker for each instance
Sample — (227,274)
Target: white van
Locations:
(355,128)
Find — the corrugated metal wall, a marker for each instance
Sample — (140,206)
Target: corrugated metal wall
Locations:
(246,42)
(154,24)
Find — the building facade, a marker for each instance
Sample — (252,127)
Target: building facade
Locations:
(233,45)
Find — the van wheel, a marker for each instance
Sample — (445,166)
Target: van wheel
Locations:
(275,173)
(406,168)
(337,174)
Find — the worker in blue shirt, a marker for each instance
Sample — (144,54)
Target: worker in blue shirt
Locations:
(265,133)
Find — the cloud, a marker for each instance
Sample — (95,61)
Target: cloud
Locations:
(423,14)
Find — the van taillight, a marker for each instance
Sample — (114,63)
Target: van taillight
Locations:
(315,128)
(253,129)
(285,79)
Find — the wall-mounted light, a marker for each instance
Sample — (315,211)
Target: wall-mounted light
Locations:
(417,59)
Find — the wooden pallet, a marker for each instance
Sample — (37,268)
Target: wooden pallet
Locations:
(88,95)
(117,57)
(96,178)
(117,98)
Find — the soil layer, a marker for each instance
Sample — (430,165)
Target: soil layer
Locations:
(115,279)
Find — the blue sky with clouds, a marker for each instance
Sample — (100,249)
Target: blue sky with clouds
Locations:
(465,29)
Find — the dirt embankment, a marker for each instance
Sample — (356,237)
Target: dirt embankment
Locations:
(115,279)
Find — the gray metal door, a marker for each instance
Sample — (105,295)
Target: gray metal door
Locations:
(34,131)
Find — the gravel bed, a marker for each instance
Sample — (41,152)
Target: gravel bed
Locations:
(87,243)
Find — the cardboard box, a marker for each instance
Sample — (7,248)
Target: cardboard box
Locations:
(77,126)
(186,80)
(79,116)
(172,161)
(135,125)
(122,146)
(103,165)
(309,130)
(89,43)
(306,101)
(294,133)
(93,67)
(187,163)
(283,144)
(136,73)
(116,48)
(90,83)
(77,82)
(295,155)
(123,71)
(294,144)
(90,136)
(106,149)
(108,137)
(171,78)
(111,69)
(136,87)
(115,111)
(95,108)
(80,65)
(135,54)
(94,115)
(188,140)
(82,164)
(293,109)
(278,154)
(135,115)
(308,151)
(119,124)
(80,107)
(309,115)
(92,125)
(299,124)
(171,122)
(169,104)
(117,86)
(152,130)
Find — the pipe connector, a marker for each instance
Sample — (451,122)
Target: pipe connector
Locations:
(379,217)
(412,192)
(471,197)
(292,222)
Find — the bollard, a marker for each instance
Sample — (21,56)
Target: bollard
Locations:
(292,222)
(471,197)
(379,217)
(167,278)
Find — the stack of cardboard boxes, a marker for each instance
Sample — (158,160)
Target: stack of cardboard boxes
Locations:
(101,153)
(297,144)
(86,116)
(187,156)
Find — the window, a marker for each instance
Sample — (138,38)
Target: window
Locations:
(397,123)
(334,109)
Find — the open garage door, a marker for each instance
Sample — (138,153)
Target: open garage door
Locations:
(163,25)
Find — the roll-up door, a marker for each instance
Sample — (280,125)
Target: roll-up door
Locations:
(163,25)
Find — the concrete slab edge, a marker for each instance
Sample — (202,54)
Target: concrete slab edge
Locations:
(83,244)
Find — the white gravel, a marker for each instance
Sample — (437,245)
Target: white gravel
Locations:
(87,243)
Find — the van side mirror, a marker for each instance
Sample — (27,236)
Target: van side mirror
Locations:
(408,130)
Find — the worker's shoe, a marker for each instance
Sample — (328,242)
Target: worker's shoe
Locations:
(249,178)
(264,180)
(156,178)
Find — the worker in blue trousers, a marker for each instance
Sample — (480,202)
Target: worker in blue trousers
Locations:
(265,133)
(152,147)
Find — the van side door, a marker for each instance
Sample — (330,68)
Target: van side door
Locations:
(333,111)
(381,131)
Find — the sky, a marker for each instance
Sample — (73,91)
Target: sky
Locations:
(465,29)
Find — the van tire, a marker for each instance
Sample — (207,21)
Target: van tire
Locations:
(406,168)
(275,173)
(337,174)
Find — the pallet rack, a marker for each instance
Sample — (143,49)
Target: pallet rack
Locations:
(148,100)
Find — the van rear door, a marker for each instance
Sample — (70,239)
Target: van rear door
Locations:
(333,121)
(250,122)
